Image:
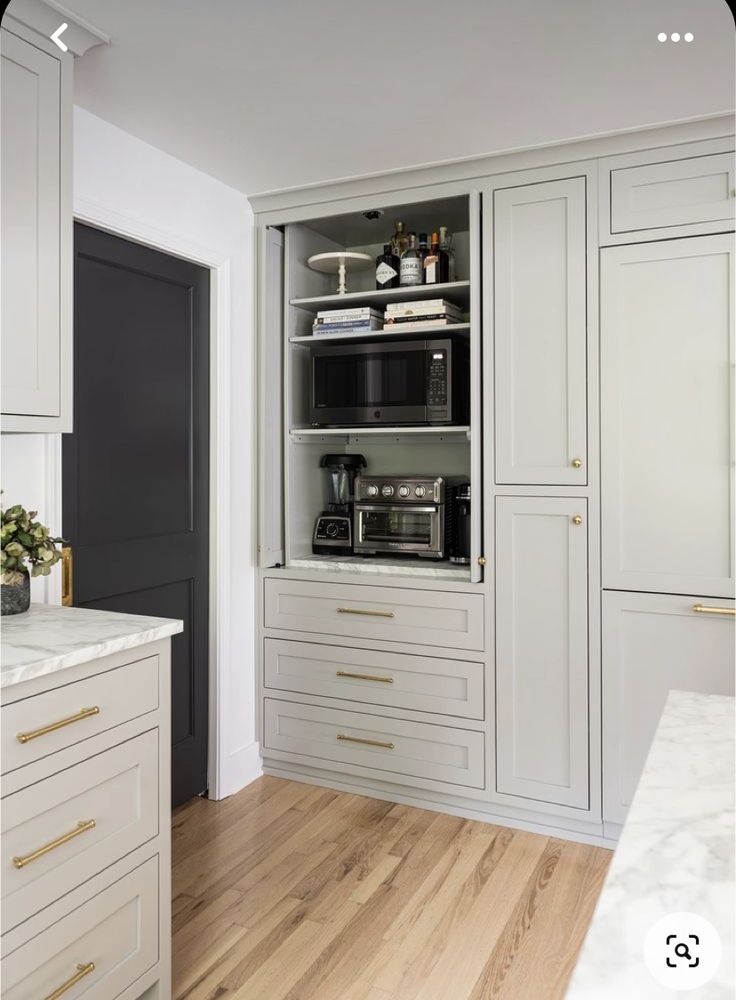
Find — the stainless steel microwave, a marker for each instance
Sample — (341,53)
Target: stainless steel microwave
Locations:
(405,382)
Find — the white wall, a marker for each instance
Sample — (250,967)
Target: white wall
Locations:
(127,186)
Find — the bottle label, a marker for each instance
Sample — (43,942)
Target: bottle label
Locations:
(411,271)
(431,270)
(384,273)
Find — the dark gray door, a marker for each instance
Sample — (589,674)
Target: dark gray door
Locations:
(136,468)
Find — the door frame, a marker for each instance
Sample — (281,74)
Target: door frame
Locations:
(218,263)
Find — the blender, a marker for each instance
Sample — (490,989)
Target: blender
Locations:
(333,529)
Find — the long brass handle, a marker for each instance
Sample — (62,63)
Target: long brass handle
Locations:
(365,677)
(366,611)
(704,610)
(84,713)
(83,969)
(82,826)
(367,743)
(67,577)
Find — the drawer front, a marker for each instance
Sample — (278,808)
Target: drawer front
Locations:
(399,680)
(423,617)
(115,932)
(116,695)
(699,189)
(407,753)
(93,813)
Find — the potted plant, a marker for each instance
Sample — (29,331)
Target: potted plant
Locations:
(24,540)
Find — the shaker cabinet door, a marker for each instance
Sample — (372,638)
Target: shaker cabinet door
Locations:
(667,355)
(542,649)
(30,230)
(539,289)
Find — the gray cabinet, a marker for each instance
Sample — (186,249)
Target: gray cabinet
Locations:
(542,649)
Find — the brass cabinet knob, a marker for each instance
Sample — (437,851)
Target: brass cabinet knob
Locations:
(481,560)
(577,519)
(577,463)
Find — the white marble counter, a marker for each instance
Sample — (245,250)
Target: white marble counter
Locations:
(48,638)
(676,853)
(387,566)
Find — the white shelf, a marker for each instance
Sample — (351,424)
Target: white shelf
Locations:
(354,435)
(457,292)
(392,333)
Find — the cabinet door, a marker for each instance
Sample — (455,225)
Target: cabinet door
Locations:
(542,649)
(667,416)
(652,644)
(30,94)
(539,253)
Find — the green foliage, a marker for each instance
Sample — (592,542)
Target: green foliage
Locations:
(25,540)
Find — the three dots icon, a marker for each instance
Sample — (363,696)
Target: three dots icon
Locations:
(675,36)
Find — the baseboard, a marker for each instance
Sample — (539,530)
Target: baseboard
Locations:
(240,769)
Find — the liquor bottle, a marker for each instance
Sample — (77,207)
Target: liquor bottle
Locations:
(446,245)
(410,271)
(423,246)
(387,268)
(399,240)
(436,263)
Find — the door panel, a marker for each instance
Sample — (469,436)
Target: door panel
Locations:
(667,354)
(136,469)
(652,644)
(539,292)
(542,649)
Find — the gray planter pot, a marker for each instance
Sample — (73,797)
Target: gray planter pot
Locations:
(16,598)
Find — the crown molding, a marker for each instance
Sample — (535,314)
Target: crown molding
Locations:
(45,16)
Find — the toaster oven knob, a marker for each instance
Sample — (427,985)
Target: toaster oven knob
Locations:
(372,490)
(420,491)
(404,491)
(387,490)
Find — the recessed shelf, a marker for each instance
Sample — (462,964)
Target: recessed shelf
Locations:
(393,333)
(354,435)
(457,292)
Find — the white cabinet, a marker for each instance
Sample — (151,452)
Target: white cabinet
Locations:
(35,230)
(542,649)
(667,355)
(652,644)
(539,316)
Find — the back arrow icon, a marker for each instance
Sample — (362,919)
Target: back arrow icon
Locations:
(56,37)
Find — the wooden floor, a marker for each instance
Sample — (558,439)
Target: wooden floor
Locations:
(291,891)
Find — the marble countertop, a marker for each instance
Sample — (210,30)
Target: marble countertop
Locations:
(676,853)
(48,638)
(386,567)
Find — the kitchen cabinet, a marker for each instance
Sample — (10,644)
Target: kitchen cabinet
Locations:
(540,333)
(652,644)
(542,649)
(667,405)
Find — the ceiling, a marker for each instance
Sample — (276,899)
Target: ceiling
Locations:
(268,94)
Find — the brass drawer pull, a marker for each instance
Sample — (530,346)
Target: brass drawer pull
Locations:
(83,969)
(82,826)
(368,743)
(704,610)
(365,611)
(365,677)
(85,713)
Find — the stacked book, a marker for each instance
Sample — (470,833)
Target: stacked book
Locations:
(425,312)
(361,319)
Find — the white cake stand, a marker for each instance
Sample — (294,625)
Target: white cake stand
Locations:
(340,262)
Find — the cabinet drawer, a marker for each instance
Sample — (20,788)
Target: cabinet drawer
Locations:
(699,189)
(28,726)
(419,683)
(117,791)
(407,753)
(116,932)
(424,617)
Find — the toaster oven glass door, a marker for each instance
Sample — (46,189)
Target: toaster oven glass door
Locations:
(383,528)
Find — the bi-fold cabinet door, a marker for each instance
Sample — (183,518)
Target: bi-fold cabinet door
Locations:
(542,712)
(539,289)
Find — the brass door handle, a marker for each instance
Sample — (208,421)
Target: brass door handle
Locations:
(84,713)
(577,519)
(83,969)
(364,677)
(67,577)
(367,743)
(704,610)
(577,463)
(366,611)
(82,826)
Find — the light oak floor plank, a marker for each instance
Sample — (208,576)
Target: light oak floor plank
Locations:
(289,891)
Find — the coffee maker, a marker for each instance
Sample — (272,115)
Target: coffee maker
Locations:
(333,529)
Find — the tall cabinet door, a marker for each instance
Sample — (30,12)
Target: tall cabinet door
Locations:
(542,649)
(539,276)
(667,351)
